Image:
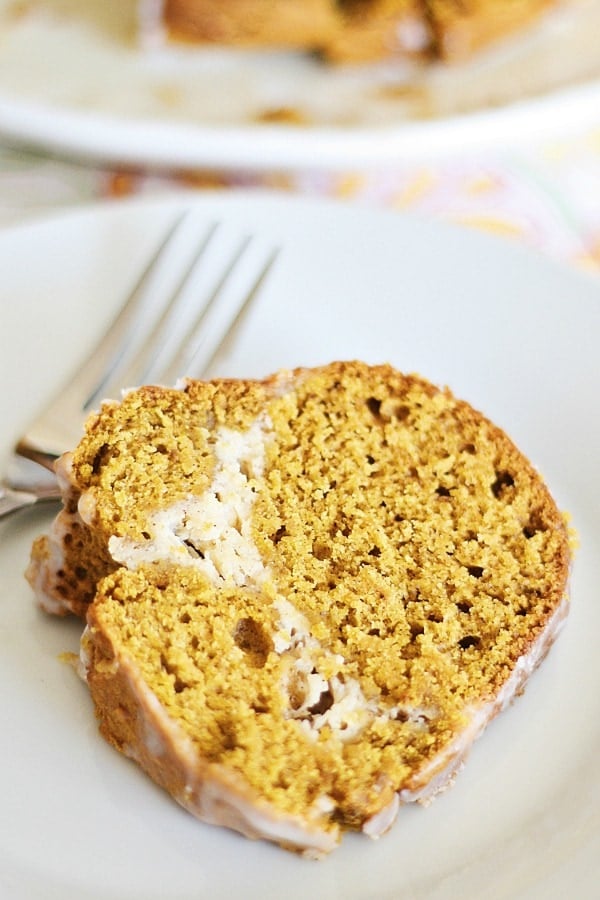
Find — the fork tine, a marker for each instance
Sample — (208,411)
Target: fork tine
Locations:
(146,341)
(175,343)
(118,340)
(216,318)
(141,347)
(60,423)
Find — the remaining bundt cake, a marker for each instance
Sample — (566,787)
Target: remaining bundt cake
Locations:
(305,596)
(460,27)
(345,30)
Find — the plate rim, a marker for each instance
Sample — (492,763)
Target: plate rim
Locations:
(101,138)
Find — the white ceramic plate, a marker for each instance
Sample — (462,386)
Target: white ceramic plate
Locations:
(73,80)
(509,332)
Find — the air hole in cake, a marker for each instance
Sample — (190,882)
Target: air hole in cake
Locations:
(324,703)
(464,606)
(534,525)
(417,716)
(442,491)
(178,685)
(296,689)
(250,636)
(475,571)
(193,550)
(81,573)
(185,618)
(321,551)
(260,705)
(374,407)
(504,480)
(245,468)
(228,735)
(470,640)
(470,449)
(371,460)
(100,458)
(416,631)
(280,533)
(402,412)
(374,632)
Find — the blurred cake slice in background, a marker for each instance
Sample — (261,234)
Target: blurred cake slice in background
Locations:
(344,30)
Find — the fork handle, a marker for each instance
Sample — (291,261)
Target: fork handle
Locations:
(29,450)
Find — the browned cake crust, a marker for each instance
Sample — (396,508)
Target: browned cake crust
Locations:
(284,23)
(317,591)
(353,30)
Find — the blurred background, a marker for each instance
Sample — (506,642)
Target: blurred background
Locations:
(485,114)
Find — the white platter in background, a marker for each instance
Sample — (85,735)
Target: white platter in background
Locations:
(74,81)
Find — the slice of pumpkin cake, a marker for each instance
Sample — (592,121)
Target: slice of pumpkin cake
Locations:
(305,596)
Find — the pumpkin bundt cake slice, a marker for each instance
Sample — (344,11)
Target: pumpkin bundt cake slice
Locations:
(305,596)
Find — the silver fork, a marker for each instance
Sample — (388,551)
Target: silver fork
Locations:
(156,337)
